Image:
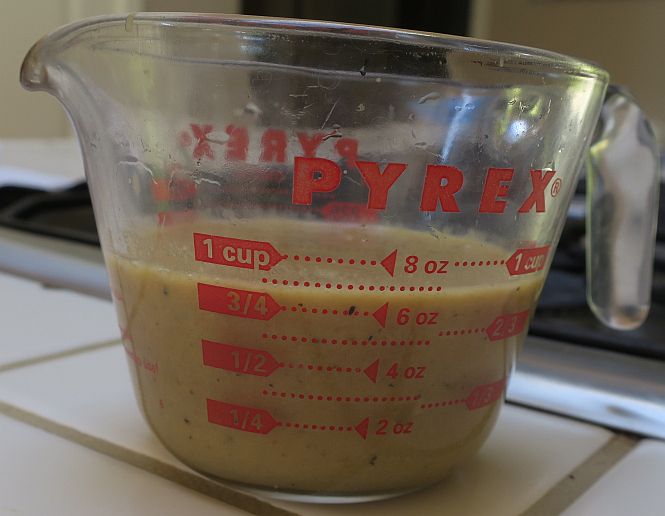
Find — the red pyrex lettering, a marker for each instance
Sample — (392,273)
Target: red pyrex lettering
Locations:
(442,184)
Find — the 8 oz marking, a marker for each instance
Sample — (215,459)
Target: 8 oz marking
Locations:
(430,266)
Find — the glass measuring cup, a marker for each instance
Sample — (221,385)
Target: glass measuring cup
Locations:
(325,241)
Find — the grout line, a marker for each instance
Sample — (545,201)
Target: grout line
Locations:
(60,354)
(580,479)
(169,472)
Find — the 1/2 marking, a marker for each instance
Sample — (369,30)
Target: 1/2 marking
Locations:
(238,359)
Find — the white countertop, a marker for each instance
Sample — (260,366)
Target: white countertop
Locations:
(74,441)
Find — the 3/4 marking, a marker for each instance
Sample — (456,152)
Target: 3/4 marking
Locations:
(237,302)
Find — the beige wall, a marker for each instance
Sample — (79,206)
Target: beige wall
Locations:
(626,37)
(22,22)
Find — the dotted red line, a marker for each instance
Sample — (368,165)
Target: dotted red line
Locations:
(445,403)
(324,311)
(345,342)
(350,399)
(463,331)
(331,260)
(351,286)
(478,263)
(320,368)
(310,426)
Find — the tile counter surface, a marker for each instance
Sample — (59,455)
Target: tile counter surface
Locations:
(526,455)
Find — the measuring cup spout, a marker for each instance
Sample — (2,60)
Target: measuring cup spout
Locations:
(46,62)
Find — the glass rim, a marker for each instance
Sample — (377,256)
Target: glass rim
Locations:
(535,60)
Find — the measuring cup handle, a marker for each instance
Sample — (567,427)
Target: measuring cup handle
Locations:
(622,211)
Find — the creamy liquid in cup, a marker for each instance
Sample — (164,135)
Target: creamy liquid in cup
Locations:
(346,379)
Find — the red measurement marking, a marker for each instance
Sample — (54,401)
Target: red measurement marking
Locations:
(351,286)
(372,370)
(527,260)
(479,397)
(326,311)
(380,315)
(362,428)
(485,394)
(238,359)
(462,331)
(320,368)
(235,252)
(389,261)
(478,263)
(344,342)
(338,398)
(508,325)
(238,417)
(237,302)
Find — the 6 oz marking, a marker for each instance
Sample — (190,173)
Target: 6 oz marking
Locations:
(421,318)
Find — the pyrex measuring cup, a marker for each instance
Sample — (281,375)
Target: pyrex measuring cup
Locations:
(325,241)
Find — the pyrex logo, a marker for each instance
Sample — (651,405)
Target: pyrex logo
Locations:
(314,175)
(442,183)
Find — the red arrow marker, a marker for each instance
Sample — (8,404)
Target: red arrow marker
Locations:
(237,302)
(380,315)
(362,428)
(528,260)
(238,359)
(508,325)
(236,252)
(389,262)
(238,417)
(485,394)
(372,370)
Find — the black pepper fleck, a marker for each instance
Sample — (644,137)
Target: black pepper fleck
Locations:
(165,290)
(352,309)
(372,460)
(186,420)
